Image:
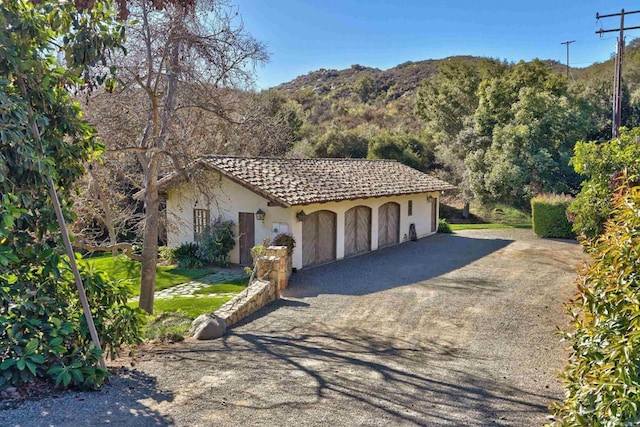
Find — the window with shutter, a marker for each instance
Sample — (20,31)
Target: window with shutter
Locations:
(201,221)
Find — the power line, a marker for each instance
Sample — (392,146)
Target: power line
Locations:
(617,75)
(568,42)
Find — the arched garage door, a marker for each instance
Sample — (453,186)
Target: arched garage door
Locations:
(318,238)
(357,230)
(388,224)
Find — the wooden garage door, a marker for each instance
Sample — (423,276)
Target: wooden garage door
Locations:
(388,224)
(357,230)
(318,238)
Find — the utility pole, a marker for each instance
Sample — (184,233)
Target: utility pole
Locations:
(617,75)
(568,42)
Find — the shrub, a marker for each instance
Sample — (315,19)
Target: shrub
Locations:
(216,242)
(602,378)
(601,163)
(165,255)
(43,331)
(256,252)
(186,255)
(285,239)
(444,227)
(549,216)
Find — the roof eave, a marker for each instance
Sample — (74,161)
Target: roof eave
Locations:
(175,178)
(345,199)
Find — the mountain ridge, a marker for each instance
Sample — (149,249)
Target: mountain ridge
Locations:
(409,74)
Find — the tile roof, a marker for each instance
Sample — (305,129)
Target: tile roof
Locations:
(289,182)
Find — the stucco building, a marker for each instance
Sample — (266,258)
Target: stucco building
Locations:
(334,208)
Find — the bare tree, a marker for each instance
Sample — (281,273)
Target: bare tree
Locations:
(179,88)
(105,211)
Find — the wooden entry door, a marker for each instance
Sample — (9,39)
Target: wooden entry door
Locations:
(357,230)
(246,236)
(388,224)
(318,238)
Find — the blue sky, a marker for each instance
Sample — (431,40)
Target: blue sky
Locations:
(303,36)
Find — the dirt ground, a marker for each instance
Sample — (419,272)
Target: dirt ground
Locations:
(450,330)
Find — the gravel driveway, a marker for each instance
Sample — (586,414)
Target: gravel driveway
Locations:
(450,330)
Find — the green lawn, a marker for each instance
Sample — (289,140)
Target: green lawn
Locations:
(123,268)
(495,216)
(172,316)
(192,307)
(492,226)
(502,214)
(222,288)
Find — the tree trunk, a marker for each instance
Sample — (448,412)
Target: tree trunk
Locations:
(150,237)
(161,124)
(465,210)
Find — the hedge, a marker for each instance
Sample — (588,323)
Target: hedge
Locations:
(548,214)
(602,378)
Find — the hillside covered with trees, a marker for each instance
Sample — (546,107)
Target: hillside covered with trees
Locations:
(502,132)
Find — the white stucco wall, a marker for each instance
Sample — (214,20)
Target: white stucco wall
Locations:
(225,198)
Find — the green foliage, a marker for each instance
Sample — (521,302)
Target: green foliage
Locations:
(403,147)
(601,163)
(214,246)
(165,255)
(602,378)
(285,239)
(256,252)
(43,332)
(445,101)
(549,216)
(533,125)
(337,143)
(49,48)
(457,154)
(594,97)
(444,227)
(594,85)
(365,89)
(498,94)
(34,90)
(186,255)
(216,242)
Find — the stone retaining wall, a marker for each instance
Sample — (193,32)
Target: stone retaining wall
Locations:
(273,273)
(257,295)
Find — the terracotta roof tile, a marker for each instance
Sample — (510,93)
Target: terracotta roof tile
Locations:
(304,181)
